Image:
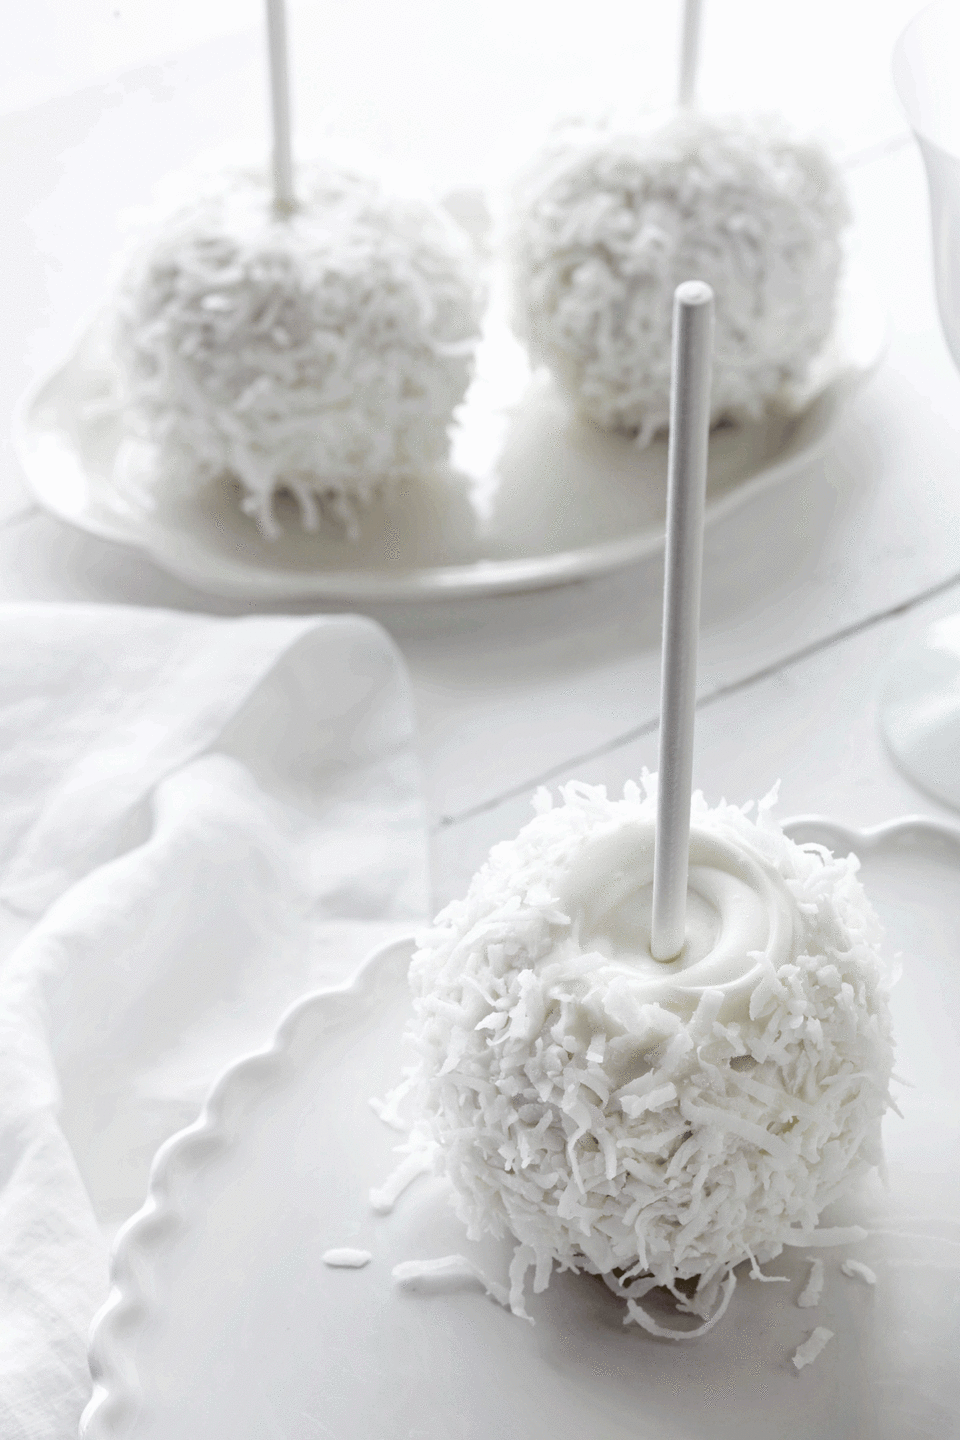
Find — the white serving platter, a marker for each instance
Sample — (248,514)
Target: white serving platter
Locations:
(533,496)
(225,1324)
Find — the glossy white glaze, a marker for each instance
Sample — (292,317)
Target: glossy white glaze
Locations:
(739,921)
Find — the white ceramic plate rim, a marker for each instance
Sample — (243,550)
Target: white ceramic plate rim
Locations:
(115,1401)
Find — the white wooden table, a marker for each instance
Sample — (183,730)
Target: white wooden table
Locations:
(809,590)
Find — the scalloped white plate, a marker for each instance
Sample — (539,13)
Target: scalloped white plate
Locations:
(535,497)
(224,1323)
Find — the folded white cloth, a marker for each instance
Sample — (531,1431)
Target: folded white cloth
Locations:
(200,820)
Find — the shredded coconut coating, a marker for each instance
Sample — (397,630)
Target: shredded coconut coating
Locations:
(856,1270)
(322,353)
(811,1348)
(812,1291)
(623,1138)
(607,220)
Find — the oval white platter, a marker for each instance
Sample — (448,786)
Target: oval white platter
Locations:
(533,497)
(225,1324)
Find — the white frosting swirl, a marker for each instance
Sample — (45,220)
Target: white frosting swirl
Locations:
(740,923)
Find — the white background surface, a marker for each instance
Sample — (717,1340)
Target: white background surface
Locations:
(808,592)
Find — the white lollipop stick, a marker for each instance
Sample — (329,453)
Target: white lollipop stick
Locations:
(283,196)
(686,492)
(689,51)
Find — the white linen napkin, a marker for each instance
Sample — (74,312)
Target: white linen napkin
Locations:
(199,821)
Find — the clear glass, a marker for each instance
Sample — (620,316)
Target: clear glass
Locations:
(920,711)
